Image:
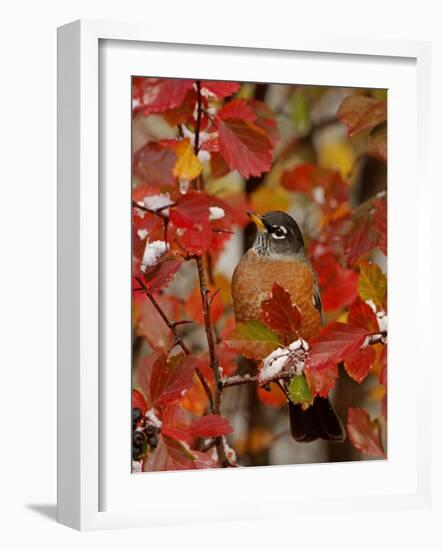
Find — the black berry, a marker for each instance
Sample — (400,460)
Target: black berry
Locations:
(138,439)
(137,415)
(150,429)
(153,441)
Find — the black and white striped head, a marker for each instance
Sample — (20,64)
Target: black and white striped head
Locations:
(278,234)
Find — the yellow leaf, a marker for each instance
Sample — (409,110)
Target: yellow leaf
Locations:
(377,393)
(187,165)
(265,199)
(372,283)
(337,155)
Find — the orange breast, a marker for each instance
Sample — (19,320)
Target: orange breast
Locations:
(253,280)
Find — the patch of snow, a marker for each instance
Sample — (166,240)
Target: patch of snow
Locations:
(152,253)
(152,416)
(273,364)
(230,453)
(154,202)
(137,466)
(319,195)
(184,186)
(203,156)
(382,318)
(372,305)
(142,233)
(216,213)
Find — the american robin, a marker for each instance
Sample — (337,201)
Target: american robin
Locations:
(278,256)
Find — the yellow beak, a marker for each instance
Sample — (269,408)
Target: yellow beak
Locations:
(257,221)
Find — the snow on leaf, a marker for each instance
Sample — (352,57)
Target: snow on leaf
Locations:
(299,392)
(372,283)
(252,339)
(191,214)
(244,146)
(321,380)
(154,164)
(170,379)
(279,313)
(361,113)
(360,363)
(211,425)
(274,363)
(216,213)
(152,253)
(155,202)
(364,433)
(219,88)
(156,95)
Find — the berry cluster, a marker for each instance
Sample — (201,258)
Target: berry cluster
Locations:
(144,434)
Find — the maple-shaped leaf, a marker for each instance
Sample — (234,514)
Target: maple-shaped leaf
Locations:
(271,395)
(237,108)
(211,425)
(252,339)
(362,315)
(335,343)
(279,313)
(155,95)
(372,283)
(170,379)
(154,164)
(364,433)
(138,401)
(361,113)
(360,363)
(170,454)
(160,275)
(219,88)
(244,146)
(378,139)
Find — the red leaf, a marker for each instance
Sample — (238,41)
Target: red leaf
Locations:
(175,422)
(170,454)
(244,146)
(138,401)
(154,164)
(380,222)
(203,461)
(321,380)
(365,434)
(218,165)
(335,343)
(155,95)
(237,108)
(160,275)
(265,120)
(171,379)
(150,324)
(274,398)
(212,425)
(359,364)
(361,315)
(279,313)
(361,113)
(219,88)
(339,286)
(192,214)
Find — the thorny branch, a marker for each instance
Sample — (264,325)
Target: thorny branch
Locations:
(178,339)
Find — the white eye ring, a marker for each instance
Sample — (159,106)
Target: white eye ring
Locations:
(281,229)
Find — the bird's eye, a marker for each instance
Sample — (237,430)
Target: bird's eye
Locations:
(279,232)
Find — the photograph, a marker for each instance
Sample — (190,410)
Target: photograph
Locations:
(259,274)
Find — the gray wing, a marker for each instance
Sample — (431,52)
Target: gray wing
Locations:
(317,297)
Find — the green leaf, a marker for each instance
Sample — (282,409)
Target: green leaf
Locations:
(252,339)
(372,283)
(299,392)
(301,112)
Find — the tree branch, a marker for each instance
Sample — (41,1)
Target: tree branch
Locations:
(178,339)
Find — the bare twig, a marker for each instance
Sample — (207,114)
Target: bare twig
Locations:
(178,339)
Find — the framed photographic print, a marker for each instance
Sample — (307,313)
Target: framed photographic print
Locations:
(231,277)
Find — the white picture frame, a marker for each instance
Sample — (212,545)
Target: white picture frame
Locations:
(83,392)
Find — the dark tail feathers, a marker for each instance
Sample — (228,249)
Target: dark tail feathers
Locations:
(318,421)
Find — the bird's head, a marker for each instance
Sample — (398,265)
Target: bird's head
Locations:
(277,234)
